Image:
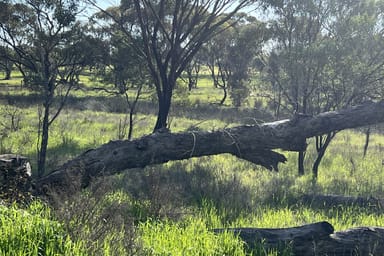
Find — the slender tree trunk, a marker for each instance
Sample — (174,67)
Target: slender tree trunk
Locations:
(8,70)
(277,109)
(321,147)
(132,109)
(192,78)
(224,96)
(130,129)
(301,155)
(300,163)
(42,152)
(7,74)
(367,135)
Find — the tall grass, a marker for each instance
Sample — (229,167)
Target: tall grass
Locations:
(32,231)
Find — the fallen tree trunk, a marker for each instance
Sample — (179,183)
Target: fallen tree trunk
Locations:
(254,143)
(314,239)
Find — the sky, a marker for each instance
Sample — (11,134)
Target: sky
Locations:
(107,3)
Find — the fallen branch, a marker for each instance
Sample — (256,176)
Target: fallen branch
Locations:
(254,143)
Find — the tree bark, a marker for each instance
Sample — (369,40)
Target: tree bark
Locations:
(321,147)
(254,143)
(15,179)
(314,239)
(300,163)
(164,103)
(367,134)
(42,150)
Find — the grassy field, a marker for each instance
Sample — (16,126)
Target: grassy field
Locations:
(170,209)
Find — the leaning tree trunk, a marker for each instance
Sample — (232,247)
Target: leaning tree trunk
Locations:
(321,147)
(254,143)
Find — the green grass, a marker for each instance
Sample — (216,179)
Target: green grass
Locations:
(188,237)
(32,231)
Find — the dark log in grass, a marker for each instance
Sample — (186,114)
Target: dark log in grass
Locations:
(314,239)
(254,143)
(15,178)
(318,200)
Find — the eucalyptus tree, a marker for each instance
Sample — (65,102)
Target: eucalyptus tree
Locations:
(355,61)
(230,56)
(246,45)
(355,67)
(215,53)
(297,56)
(192,72)
(171,34)
(48,46)
(321,58)
(121,66)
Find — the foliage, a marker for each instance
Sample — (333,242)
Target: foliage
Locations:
(47,46)
(171,34)
(32,231)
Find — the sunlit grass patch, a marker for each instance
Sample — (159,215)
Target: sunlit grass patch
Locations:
(188,237)
(32,231)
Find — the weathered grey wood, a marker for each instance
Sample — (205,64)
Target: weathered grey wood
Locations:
(15,178)
(12,160)
(275,238)
(314,239)
(355,241)
(254,143)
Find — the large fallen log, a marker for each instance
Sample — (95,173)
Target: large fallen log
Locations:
(314,239)
(254,143)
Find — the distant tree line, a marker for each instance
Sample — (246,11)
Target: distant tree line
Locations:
(302,57)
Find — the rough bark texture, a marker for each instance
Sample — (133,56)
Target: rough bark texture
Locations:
(314,239)
(15,178)
(250,142)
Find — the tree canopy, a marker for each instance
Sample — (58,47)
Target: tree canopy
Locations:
(47,46)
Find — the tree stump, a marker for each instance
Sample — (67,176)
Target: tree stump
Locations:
(15,178)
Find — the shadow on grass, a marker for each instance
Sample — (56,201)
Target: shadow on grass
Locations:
(58,155)
(171,190)
(115,104)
